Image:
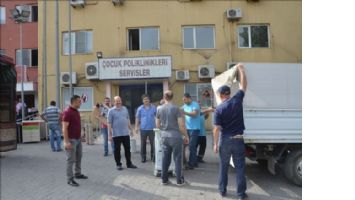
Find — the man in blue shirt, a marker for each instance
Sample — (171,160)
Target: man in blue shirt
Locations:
(228,135)
(119,129)
(145,117)
(51,115)
(191,110)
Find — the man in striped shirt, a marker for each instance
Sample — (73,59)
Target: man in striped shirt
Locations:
(52,116)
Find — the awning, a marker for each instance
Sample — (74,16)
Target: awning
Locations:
(27,87)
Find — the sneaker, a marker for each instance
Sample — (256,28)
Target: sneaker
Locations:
(144,160)
(105,154)
(223,194)
(242,197)
(181,183)
(131,166)
(119,167)
(73,183)
(59,150)
(81,176)
(166,183)
(201,160)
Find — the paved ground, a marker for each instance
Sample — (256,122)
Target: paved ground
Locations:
(34,172)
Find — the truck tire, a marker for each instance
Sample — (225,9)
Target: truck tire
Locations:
(293,167)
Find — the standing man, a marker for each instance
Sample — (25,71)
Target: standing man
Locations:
(145,117)
(19,107)
(119,129)
(172,127)
(72,140)
(103,124)
(229,122)
(202,139)
(52,116)
(191,110)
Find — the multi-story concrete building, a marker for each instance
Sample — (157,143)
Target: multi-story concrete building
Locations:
(10,46)
(132,47)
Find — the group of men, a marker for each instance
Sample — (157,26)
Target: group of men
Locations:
(179,126)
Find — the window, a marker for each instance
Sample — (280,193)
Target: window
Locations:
(2,52)
(81,42)
(34,12)
(30,57)
(143,39)
(200,92)
(2,15)
(198,37)
(253,36)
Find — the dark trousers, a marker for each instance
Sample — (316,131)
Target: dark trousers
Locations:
(126,145)
(202,147)
(144,135)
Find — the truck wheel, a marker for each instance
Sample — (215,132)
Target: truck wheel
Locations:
(293,167)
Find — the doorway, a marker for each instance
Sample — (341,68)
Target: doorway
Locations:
(131,96)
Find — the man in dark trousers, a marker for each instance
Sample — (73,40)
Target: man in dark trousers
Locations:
(119,130)
(72,140)
(229,122)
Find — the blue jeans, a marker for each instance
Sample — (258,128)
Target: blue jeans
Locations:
(55,134)
(232,147)
(104,132)
(193,147)
(172,145)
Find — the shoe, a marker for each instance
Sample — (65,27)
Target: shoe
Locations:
(119,167)
(181,183)
(201,161)
(242,197)
(81,176)
(73,183)
(223,194)
(190,167)
(144,160)
(131,166)
(166,183)
(105,154)
(59,150)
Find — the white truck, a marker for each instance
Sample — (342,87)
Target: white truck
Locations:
(273,116)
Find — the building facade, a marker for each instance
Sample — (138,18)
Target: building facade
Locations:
(10,46)
(132,47)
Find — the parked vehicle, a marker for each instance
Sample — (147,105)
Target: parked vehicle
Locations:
(273,117)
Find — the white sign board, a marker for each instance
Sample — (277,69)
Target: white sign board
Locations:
(135,67)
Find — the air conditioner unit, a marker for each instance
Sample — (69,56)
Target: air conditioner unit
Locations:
(234,13)
(77,3)
(231,64)
(117,2)
(91,70)
(182,75)
(65,77)
(205,71)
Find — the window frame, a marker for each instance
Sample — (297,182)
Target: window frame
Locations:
(140,38)
(30,18)
(73,43)
(249,35)
(196,97)
(2,12)
(194,35)
(29,57)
